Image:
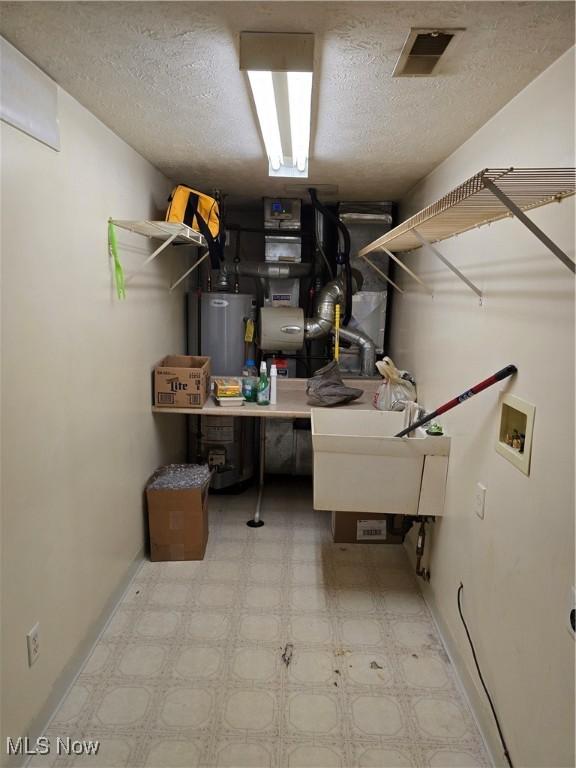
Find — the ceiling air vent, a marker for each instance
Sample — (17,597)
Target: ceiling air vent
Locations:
(423,50)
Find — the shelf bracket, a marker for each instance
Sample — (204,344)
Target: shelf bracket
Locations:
(449,264)
(382,274)
(189,271)
(516,211)
(152,256)
(407,269)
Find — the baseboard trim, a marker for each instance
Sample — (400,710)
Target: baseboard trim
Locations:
(464,680)
(70,673)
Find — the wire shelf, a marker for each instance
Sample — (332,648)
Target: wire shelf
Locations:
(162,230)
(473,204)
(170,233)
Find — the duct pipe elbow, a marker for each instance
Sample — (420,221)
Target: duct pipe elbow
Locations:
(321,325)
(367,348)
(316,327)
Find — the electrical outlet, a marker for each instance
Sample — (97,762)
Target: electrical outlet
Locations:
(33,643)
(571,617)
(480,500)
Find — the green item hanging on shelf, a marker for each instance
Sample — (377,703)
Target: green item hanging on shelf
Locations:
(118,271)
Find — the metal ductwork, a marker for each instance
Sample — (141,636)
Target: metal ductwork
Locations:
(367,348)
(323,322)
(285,327)
(264,269)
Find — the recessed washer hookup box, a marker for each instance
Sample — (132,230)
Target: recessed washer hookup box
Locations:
(182,381)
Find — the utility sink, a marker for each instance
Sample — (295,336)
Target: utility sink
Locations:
(359,466)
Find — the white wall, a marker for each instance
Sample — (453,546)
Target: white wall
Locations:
(517,565)
(79,438)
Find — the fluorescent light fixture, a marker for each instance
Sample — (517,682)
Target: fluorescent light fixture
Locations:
(265,101)
(300,102)
(279,68)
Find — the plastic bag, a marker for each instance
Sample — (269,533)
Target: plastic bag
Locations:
(397,390)
(176,477)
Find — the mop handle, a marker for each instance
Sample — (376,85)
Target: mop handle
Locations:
(510,370)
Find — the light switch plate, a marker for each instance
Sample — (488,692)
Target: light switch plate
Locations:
(33,644)
(480,500)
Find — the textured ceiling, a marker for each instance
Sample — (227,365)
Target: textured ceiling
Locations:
(164,76)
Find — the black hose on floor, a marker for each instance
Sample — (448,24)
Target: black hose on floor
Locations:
(502,739)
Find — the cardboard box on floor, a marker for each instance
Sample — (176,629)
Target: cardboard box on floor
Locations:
(365,527)
(178,523)
(182,381)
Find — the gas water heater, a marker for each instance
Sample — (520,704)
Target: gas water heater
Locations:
(223,320)
(225,442)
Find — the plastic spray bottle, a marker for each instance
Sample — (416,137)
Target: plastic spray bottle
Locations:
(263,392)
(273,384)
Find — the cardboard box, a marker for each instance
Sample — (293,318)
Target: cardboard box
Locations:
(178,523)
(182,381)
(365,527)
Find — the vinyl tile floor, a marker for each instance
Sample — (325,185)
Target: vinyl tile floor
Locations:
(280,649)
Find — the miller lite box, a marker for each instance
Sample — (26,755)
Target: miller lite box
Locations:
(182,381)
